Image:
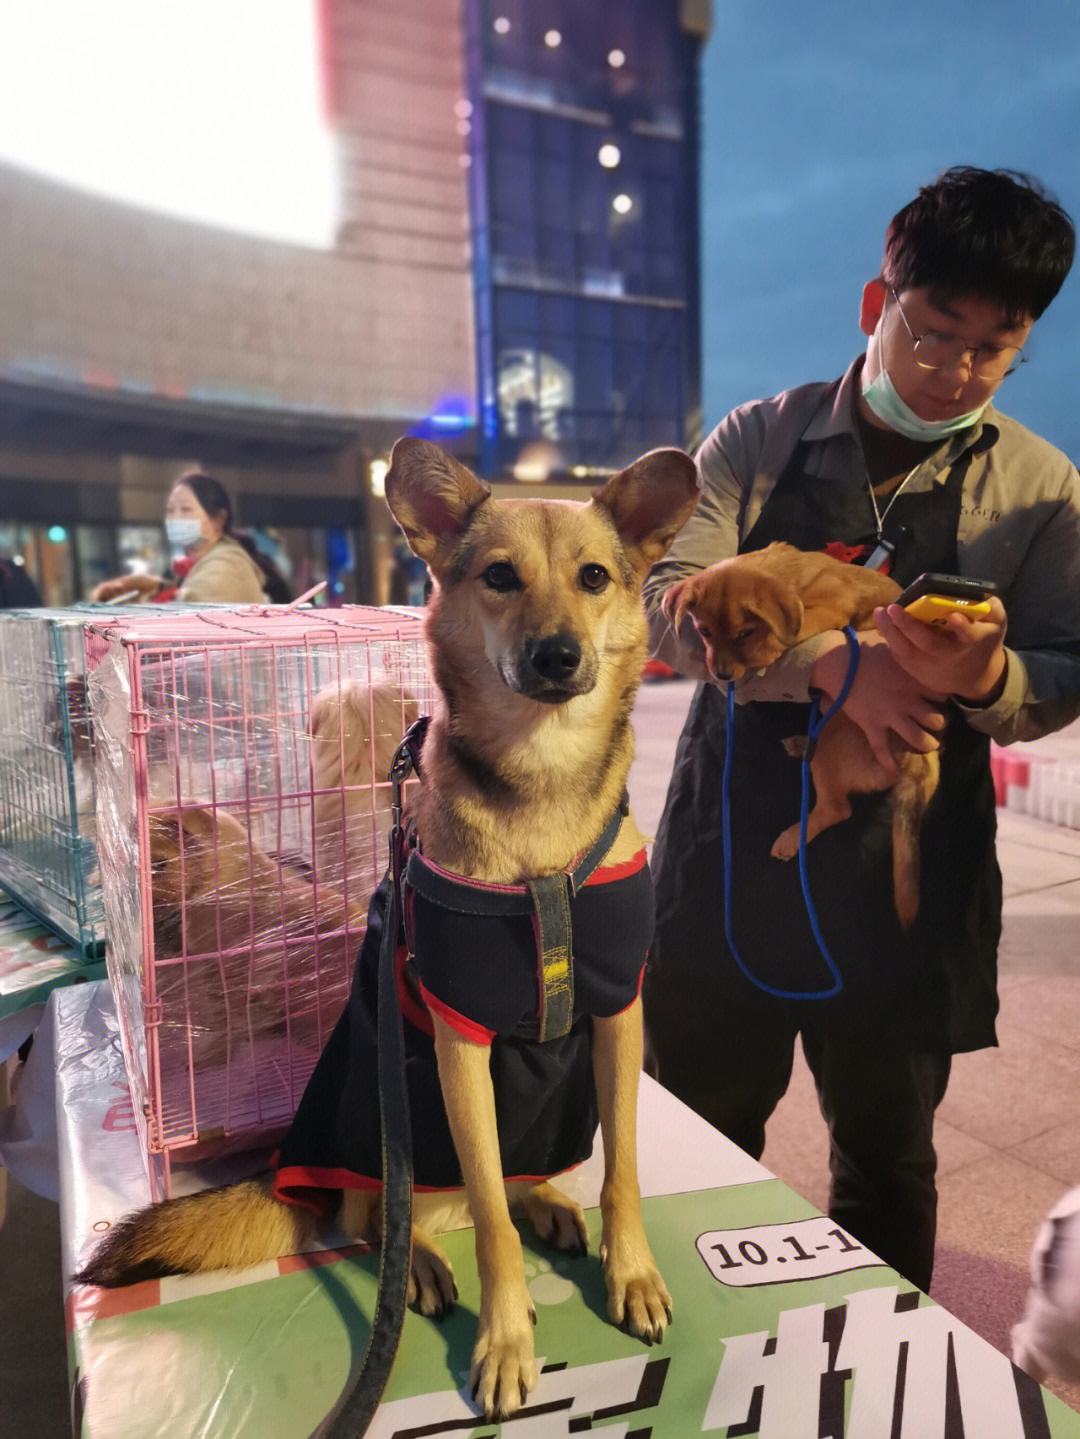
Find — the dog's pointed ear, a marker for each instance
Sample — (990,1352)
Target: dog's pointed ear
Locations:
(432,497)
(781,609)
(649,502)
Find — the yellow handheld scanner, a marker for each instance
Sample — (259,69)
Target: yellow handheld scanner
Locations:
(933,598)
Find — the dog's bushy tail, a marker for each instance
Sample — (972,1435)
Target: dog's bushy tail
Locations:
(229,1228)
(911,795)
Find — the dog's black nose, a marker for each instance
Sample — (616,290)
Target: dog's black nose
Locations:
(555,657)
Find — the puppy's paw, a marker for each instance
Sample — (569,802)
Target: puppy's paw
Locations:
(670,601)
(795,745)
(680,599)
(558,1220)
(638,1298)
(787,846)
(504,1361)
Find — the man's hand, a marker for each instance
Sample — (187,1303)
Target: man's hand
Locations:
(962,658)
(884,701)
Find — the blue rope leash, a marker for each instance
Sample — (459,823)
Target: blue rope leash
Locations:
(816,724)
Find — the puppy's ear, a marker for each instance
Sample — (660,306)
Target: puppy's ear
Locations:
(649,502)
(781,609)
(432,497)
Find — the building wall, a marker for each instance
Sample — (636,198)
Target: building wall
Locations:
(380,325)
(585,204)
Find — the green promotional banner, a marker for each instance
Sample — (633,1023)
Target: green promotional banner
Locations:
(785,1328)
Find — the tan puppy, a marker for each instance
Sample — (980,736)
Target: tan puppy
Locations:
(537,639)
(355,729)
(748,610)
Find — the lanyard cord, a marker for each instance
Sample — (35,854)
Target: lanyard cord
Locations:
(880,516)
(816,724)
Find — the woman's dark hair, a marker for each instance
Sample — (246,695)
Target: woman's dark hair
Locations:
(994,234)
(214,498)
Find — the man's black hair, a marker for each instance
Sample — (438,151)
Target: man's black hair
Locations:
(994,234)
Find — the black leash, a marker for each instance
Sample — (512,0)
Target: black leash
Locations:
(356,1406)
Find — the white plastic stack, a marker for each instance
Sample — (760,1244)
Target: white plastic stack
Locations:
(1039,785)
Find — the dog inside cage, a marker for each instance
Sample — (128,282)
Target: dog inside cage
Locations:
(243,805)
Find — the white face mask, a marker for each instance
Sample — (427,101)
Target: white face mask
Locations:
(183,533)
(883,398)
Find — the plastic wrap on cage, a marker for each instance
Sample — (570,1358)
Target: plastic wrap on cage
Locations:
(243,809)
(48,859)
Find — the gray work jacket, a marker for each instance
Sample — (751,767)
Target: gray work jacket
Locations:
(1019,526)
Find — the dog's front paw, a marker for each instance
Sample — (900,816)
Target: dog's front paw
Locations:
(504,1363)
(787,846)
(557,1219)
(638,1298)
(432,1289)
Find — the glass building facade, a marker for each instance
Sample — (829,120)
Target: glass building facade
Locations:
(582,126)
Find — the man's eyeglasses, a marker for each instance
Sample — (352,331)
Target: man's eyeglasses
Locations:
(935,350)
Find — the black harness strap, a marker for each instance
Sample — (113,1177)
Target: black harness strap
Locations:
(554,938)
(364,1387)
(547,899)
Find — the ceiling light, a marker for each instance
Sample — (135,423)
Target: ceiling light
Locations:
(377,473)
(616,59)
(609,156)
(622,204)
(501,25)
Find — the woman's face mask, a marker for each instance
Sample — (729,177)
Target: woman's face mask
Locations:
(186,522)
(183,532)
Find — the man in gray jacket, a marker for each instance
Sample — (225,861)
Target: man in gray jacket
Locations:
(904,463)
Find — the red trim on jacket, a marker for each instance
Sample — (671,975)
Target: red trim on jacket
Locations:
(410,1010)
(609,873)
(302,1176)
(469,1029)
(640,982)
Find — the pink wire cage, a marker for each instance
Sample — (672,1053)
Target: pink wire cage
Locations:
(243,809)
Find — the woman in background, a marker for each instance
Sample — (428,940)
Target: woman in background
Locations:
(212,562)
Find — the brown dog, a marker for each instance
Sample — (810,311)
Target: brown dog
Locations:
(748,610)
(537,640)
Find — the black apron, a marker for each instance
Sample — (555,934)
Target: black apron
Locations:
(937,982)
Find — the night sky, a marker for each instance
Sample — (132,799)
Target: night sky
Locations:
(820,121)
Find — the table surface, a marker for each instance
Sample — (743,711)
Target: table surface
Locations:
(783,1324)
(33,962)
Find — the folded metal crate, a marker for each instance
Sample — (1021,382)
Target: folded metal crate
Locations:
(47,828)
(243,806)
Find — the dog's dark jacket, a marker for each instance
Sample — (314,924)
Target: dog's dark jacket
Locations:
(479,972)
